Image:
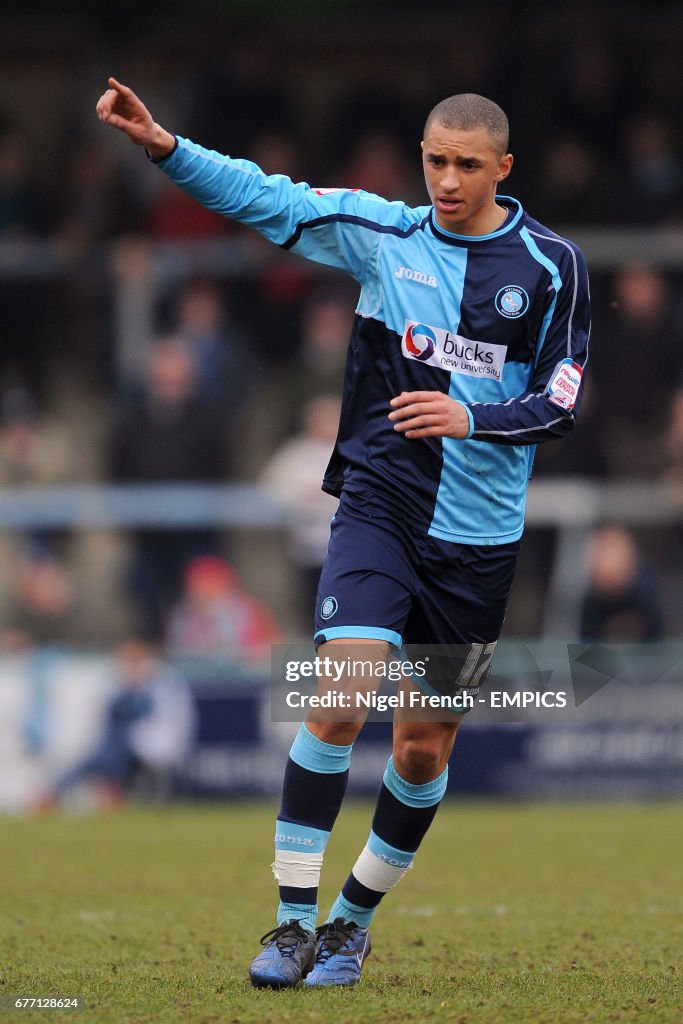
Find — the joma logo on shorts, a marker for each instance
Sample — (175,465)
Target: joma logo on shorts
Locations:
(416,275)
(280,837)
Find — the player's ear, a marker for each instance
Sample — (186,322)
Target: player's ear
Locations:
(422,145)
(504,167)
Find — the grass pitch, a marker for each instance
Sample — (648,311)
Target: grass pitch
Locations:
(513,913)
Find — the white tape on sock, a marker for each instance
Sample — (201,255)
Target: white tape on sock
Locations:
(297,869)
(376,874)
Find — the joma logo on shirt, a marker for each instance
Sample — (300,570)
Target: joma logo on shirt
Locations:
(416,275)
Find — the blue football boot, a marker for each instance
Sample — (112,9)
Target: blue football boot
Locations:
(342,948)
(287,958)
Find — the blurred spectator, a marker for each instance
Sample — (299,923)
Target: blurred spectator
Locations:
(249,85)
(371,105)
(378,164)
(654,170)
(148,724)
(94,204)
(42,617)
(21,212)
(313,366)
(162,740)
(569,188)
(216,345)
(640,341)
(621,603)
(43,610)
(588,85)
(294,475)
(24,299)
(325,328)
(31,450)
(659,84)
(276,153)
(170,435)
(217,618)
(325,333)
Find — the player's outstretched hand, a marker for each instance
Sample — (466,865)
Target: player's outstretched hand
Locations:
(428,414)
(122,109)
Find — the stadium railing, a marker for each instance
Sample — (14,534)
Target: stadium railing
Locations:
(573,507)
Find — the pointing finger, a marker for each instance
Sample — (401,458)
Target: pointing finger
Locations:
(123,90)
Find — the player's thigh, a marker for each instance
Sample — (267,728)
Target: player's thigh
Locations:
(368,578)
(458,615)
(463,593)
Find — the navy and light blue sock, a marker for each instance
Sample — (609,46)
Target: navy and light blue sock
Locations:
(403,815)
(312,793)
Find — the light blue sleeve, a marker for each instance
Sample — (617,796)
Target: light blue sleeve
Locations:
(338,227)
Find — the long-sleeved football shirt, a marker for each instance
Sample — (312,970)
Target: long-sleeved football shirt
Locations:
(500,322)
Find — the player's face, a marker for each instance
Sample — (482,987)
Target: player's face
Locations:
(462,169)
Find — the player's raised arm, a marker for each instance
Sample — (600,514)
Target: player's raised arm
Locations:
(122,109)
(338,227)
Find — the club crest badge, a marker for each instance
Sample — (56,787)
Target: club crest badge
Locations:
(512,301)
(328,607)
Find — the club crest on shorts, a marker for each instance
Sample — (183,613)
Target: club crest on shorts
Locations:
(329,607)
(512,301)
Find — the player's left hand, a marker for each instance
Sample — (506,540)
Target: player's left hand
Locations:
(428,414)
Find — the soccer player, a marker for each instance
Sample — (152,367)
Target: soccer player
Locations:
(468,348)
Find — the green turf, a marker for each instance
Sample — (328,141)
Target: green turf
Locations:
(529,914)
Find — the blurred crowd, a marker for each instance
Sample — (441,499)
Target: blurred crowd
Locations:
(234,373)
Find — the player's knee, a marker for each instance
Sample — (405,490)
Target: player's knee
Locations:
(419,759)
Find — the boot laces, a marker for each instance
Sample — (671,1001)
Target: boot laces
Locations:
(286,936)
(332,937)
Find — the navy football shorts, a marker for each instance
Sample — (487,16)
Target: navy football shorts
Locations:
(385,579)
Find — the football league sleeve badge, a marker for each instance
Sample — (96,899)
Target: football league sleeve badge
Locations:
(563,386)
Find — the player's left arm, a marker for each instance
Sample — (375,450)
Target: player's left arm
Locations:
(548,409)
